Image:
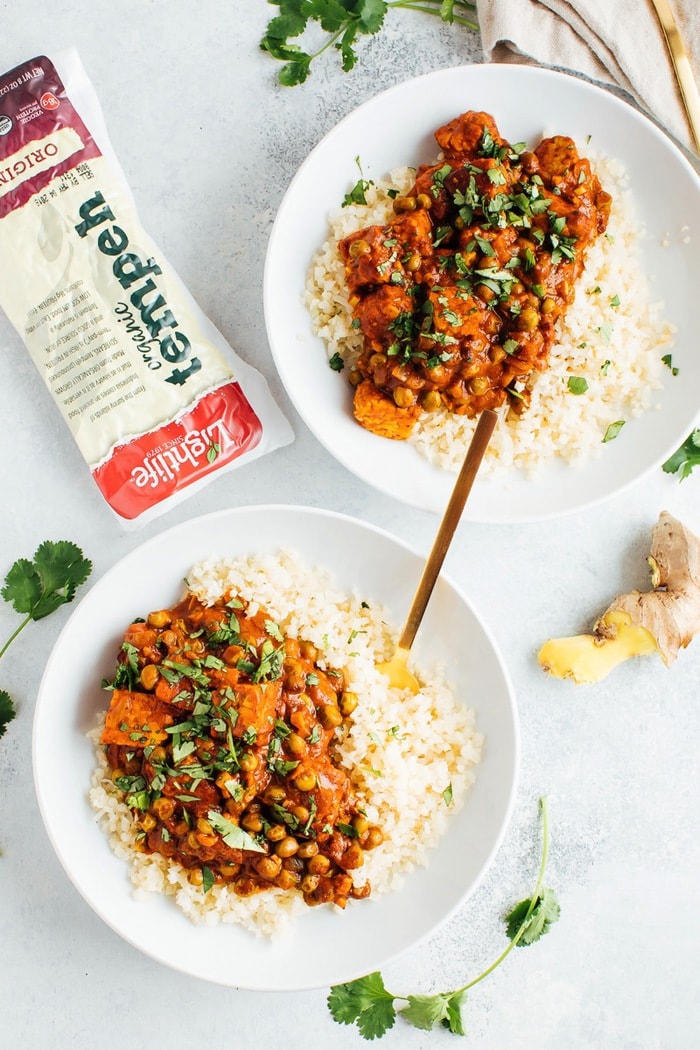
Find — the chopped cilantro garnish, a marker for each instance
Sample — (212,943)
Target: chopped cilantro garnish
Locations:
(233,835)
(357,194)
(668,361)
(577,385)
(347,829)
(613,430)
(605,331)
(280,767)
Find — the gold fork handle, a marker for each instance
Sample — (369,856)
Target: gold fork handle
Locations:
(450,521)
(682,66)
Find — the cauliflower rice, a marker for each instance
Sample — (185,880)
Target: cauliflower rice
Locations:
(405,754)
(613,336)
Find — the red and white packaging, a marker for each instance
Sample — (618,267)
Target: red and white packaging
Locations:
(155,398)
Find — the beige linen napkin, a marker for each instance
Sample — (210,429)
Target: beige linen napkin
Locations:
(615,42)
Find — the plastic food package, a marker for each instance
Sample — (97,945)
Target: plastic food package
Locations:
(155,398)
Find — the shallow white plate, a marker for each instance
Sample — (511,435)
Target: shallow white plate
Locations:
(324,947)
(396,128)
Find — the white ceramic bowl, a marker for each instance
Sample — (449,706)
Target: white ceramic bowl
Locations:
(324,947)
(396,128)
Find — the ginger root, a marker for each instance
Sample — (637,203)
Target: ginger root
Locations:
(664,619)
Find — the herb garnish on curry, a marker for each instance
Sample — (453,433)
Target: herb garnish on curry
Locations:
(458,296)
(220,734)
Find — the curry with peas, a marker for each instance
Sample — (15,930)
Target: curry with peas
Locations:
(458,296)
(220,733)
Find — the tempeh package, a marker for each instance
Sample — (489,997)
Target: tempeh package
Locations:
(157,401)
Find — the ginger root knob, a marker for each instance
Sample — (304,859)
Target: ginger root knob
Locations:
(664,619)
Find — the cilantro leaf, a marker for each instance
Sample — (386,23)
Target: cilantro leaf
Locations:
(686,457)
(7,711)
(295,72)
(233,835)
(533,926)
(425,1011)
(453,1020)
(273,630)
(347,1001)
(356,194)
(347,51)
(378,1019)
(22,586)
(428,1011)
(365,1002)
(290,21)
(370,15)
(331,15)
(41,586)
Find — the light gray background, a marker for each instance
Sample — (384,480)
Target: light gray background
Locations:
(209,143)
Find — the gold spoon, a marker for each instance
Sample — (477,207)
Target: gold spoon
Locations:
(395,669)
(681,66)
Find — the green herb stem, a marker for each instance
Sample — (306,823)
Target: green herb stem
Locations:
(533,903)
(531,908)
(431,6)
(14,634)
(329,43)
(412,5)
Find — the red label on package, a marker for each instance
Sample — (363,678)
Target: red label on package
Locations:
(141,473)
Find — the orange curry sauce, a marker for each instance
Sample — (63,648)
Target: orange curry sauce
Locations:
(458,296)
(220,733)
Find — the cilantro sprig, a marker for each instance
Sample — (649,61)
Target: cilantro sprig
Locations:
(686,457)
(342,21)
(367,1003)
(36,589)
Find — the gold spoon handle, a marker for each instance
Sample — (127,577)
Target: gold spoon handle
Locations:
(682,66)
(450,520)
